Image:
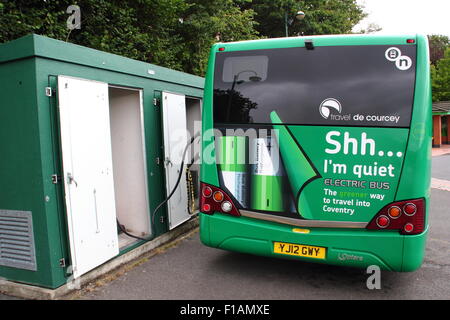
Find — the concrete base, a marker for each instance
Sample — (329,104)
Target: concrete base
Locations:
(37,293)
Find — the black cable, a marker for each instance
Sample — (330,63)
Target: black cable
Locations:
(178,180)
(122,228)
(168,198)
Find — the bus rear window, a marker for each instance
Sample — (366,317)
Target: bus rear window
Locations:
(339,86)
(245,68)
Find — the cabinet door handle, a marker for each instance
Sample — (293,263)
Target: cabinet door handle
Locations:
(71,179)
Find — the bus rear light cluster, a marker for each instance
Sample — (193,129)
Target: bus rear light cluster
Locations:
(214,199)
(406,216)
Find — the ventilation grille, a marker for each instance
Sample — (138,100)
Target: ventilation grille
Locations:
(17,240)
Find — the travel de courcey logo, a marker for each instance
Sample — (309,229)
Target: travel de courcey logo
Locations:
(328,105)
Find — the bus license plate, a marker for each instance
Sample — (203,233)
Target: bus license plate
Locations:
(299,250)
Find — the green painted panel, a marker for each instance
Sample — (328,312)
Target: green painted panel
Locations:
(208,172)
(35,45)
(416,175)
(414,251)
(18,49)
(22,183)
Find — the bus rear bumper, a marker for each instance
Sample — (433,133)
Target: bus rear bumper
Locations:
(344,247)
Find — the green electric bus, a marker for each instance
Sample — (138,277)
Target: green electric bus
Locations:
(318,148)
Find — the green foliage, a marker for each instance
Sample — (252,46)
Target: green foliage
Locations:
(173,33)
(437,44)
(19,18)
(209,21)
(322,16)
(440,75)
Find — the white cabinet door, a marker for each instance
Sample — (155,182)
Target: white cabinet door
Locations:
(175,140)
(88,175)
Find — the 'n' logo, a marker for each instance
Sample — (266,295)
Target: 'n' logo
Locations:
(394,54)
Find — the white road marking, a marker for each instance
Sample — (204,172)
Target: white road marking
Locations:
(440,184)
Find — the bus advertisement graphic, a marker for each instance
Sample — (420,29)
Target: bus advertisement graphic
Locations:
(344,174)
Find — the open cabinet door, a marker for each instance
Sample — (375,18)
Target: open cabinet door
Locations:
(87,172)
(175,140)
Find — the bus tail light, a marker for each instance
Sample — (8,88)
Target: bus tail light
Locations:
(410,209)
(207,192)
(383,222)
(408,228)
(218,196)
(406,216)
(220,201)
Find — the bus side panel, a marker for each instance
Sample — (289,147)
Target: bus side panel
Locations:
(415,179)
(414,251)
(416,175)
(204,229)
(208,156)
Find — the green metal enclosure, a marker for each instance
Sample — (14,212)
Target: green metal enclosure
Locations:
(35,245)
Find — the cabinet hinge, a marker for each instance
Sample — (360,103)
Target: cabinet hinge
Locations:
(49,91)
(62,263)
(55,178)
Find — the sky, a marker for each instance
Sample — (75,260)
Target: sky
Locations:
(407,16)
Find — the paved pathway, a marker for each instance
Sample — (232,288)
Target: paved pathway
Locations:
(440,184)
(444,149)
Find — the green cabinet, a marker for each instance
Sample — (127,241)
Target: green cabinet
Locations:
(74,123)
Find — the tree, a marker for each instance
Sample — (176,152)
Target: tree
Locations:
(208,21)
(172,33)
(322,16)
(142,29)
(440,75)
(19,18)
(437,44)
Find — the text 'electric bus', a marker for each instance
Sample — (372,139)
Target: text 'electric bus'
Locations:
(319,149)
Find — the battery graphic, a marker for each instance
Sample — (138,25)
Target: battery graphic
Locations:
(267,175)
(298,168)
(233,165)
